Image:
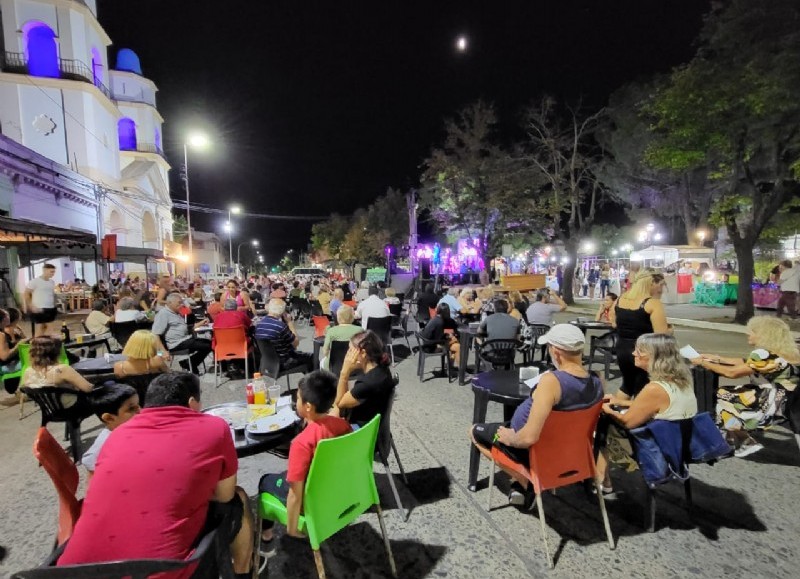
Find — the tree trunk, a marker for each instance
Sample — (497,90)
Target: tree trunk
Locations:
(569,272)
(744,255)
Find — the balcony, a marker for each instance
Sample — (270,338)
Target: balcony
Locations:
(145,148)
(69,69)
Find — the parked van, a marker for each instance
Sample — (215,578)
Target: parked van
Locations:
(308,271)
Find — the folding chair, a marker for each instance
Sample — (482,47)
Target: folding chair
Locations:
(339,488)
(562,456)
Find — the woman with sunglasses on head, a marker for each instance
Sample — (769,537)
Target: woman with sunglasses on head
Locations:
(242,298)
(668,394)
(373,389)
(638,311)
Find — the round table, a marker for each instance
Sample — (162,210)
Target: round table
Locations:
(501,386)
(99,365)
(249,444)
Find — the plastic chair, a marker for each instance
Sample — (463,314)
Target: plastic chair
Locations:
(140,382)
(562,456)
(271,363)
(498,353)
(607,346)
(441,350)
(399,321)
(122,331)
(384,445)
(64,474)
(383,328)
(321,323)
(706,385)
(537,331)
(231,344)
(24,353)
(351,303)
(336,356)
(50,400)
(793,413)
(339,488)
(316,309)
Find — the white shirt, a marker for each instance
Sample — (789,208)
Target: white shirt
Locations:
(128,316)
(43,292)
(372,307)
(790,280)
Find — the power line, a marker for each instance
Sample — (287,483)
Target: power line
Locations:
(199,209)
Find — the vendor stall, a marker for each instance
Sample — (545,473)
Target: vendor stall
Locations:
(684,260)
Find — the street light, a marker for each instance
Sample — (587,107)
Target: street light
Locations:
(238,254)
(197,141)
(232,210)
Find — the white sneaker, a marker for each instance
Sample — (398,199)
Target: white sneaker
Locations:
(748,447)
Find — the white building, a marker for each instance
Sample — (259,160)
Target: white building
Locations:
(210,254)
(60,98)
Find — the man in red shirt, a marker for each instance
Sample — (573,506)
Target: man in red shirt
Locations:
(159,478)
(215,307)
(315,395)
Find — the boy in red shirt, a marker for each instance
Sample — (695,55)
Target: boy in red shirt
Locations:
(315,395)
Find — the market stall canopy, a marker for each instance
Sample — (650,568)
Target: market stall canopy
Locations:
(90,253)
(670,254)
(20,231)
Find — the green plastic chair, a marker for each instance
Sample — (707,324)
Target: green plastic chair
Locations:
(24,352)
(339,488)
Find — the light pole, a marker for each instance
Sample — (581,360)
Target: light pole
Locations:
(198,141)
(238,254)
(232,210)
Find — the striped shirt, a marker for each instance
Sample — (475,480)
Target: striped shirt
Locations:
(278,333)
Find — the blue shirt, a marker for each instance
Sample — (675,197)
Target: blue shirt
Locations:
(451,301)
(278,334)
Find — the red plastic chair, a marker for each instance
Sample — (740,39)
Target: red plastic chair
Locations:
(351,303)
(562,456)
(321,323)
(64,475)
(231,344)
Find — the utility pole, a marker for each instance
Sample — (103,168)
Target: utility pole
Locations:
(411,204)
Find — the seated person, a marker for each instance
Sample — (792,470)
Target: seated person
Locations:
(500,325)
(145,355)
(127,312)
(436,329)
(451,300)
(341,332)
(174,333)
(324,299)
(373,389)
(297,291)
(519,303)
(176,447)
(770,367)
(215,307)
(570,387)
(233,317)
(469,303)
(315,395)
(363,292)
(372,307)
(10,340)
(46,370)
(426,299)
(604,312)
(669,395)
(97,321)
(114,404)
(391,296)
(277,328)
(541,311)
(336,302)
(278,291)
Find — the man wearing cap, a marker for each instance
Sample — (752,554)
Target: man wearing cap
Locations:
(569,387)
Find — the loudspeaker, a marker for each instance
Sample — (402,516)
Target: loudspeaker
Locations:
(425,268)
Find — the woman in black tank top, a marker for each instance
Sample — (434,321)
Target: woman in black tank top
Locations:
(638,311)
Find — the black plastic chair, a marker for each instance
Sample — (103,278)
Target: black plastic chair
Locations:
(536,332)
(385,444)
(141,383)
(122,331)
(498,353)
(271,363)
(316,309)
(793,413)
(606,345)
(209,551)
(441,349)
(383,328)
(50,400)
(706,385)
(336,356)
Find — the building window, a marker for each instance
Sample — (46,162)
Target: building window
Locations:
(41,51)
(127,134)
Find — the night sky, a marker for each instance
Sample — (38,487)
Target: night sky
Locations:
(317,107)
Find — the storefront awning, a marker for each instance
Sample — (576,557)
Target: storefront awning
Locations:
(21,231)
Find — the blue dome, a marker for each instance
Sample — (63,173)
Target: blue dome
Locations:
(128,61)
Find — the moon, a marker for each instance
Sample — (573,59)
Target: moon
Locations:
(461,43)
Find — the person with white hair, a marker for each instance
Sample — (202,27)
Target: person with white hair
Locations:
(363,291)
(451,299)
(278,329)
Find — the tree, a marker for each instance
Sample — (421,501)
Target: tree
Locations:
(684,195)
(466,185)
(329,235)
(180,229)
(733,111)
(561,149)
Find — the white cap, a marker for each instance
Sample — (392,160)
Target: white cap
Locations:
(564,336)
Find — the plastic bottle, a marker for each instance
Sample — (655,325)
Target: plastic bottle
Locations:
(248,389)
(259,389)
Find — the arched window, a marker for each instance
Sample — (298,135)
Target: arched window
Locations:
(127,134)
(41,51)
(149,229)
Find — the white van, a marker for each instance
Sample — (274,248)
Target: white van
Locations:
(308,271)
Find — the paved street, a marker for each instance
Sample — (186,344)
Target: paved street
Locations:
(743,521)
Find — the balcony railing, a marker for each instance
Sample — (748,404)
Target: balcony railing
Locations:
(145,148)
(69,69)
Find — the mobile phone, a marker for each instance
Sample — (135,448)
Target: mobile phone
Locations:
(619,408)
